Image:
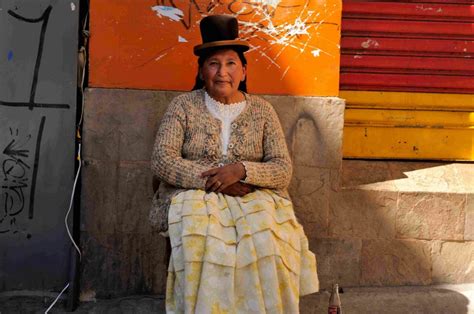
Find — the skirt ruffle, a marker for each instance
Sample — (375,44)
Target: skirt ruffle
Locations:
(237,254)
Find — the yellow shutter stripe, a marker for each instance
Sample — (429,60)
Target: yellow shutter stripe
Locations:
(409,118)
(398,143)
(393,125)
(399,100)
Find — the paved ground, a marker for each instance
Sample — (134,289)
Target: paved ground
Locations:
(37,305)
(441,299)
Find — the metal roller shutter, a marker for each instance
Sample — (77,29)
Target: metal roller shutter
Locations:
(407,74)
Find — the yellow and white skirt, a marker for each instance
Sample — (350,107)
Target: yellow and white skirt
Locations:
(237,255)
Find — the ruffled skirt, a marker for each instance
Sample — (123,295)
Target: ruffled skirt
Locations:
(237,254)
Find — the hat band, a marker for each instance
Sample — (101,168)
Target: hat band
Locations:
(243,45)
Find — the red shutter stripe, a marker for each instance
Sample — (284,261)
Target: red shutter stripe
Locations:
(465,2)
(407,46)
(405,11)
(408,29)
(426,65)
(431,83)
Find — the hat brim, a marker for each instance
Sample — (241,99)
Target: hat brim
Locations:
(237,44)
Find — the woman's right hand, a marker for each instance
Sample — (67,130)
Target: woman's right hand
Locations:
(238,189)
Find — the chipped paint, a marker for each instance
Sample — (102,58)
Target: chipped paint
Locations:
(172,13)
(425,9)
(73,6)
(369,43)
(316,52)
(182,39)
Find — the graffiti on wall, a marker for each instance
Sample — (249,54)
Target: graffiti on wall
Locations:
(20,154)
(43,22)
(38,87)
(19,170)
(289,40)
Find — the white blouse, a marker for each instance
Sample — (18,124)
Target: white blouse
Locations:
(226,114)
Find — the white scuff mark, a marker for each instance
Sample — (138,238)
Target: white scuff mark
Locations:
(297,28)
(369,43)
(173,14)
(73,7)
(297,34)
(252,48)
(284,73)
(272,62)
(161,56)
(423,8)
(316,52)
(465,49)
(182,39)
(272,3)
(357,57)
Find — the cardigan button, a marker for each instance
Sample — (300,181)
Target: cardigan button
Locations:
(234,125)
(220,164)
(230,145)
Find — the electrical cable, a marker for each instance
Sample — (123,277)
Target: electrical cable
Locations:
(85,33)
(56,300)
(72,200)
(67,227)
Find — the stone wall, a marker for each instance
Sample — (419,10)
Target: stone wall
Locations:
(121,254)
(409,223)
(370,223)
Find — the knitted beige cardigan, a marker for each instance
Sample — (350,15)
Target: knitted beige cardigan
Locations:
(188,143)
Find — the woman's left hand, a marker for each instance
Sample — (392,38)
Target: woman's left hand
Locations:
(222,177)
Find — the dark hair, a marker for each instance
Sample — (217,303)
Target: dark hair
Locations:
(202,58)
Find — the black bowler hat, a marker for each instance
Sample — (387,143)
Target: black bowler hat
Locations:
(220,31)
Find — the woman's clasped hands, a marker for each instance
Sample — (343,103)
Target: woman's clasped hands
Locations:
(226,180)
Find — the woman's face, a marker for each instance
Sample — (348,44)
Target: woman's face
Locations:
(222,73)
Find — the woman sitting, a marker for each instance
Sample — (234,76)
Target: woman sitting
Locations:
(224,168)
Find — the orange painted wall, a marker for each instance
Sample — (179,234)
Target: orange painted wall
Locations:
(149,44)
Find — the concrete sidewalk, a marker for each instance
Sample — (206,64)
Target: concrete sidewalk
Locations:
(440,299)
(37,305)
